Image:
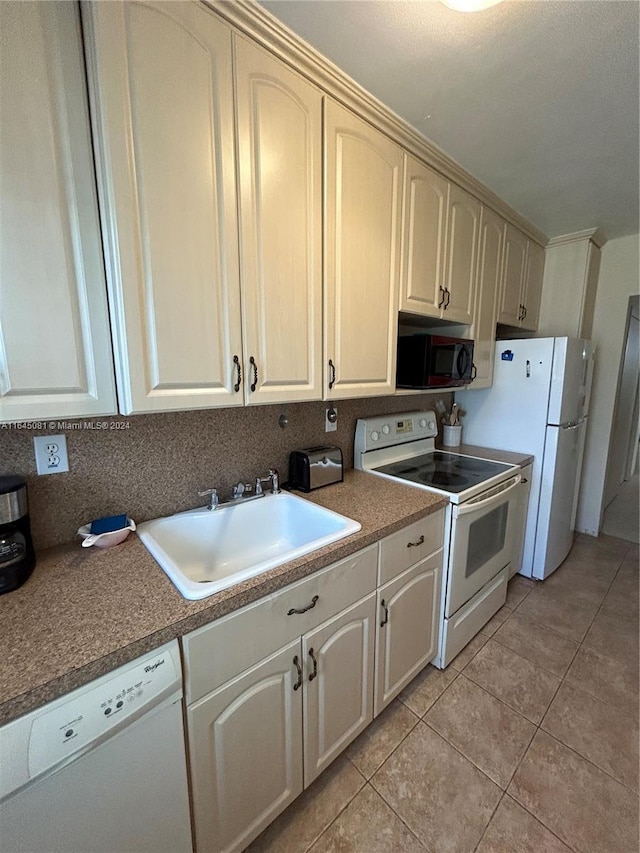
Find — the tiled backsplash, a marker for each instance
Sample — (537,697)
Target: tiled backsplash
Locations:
(157,464)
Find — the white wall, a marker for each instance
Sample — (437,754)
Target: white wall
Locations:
(619,279)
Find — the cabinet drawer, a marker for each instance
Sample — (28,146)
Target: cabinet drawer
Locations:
(411,544)
(220,651)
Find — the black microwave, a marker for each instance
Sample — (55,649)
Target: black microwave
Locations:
(434,361)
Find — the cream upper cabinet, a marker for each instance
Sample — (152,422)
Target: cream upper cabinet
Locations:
(462,248)
(515,255)
(363,185)
(55,348)
(425,205)
(483,330)
(161,77)
(532,295)
(279,138)
(522,281)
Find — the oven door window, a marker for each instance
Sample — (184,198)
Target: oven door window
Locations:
(487,537)
(481,544)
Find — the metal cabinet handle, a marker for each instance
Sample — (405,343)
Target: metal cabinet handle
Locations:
(298,666)
(254,365)
(314,674)
(524,480)
(448,292)
(332,377)
(442,296)
(415,544)
(474,372)
(314,601)
(236,361)
(524,312)
(386,613)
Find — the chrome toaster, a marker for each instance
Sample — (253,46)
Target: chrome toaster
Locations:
(315,467)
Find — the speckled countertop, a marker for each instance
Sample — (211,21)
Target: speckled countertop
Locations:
(85,612)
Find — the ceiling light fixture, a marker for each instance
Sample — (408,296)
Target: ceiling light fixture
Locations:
(470,5)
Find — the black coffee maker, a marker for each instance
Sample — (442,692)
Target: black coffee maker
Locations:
(17,557)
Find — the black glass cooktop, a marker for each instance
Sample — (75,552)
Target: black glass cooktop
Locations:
(450,472)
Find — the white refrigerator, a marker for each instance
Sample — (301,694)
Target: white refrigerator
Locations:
(538,404)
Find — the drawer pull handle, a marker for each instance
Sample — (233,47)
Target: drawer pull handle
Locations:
(236,361)
(386,613)
(293,610)
(298,666)
(315,665)
(416,544)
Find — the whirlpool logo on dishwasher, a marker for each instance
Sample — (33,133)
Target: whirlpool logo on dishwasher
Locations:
(153,666)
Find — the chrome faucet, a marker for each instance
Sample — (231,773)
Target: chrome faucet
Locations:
(273,479)
(212,494)
(239,490)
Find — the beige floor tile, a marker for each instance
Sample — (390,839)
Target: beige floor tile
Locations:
(621,605)
(604,735)
(615,638)
(577,584)
(420,694)
(496,621)
(442,797)
(378,741)
(470,651)
(579,803)
(482,728)
(367,825)
(536,643)
(516,681)
(514,830)
(518,589)
(559,614)
(626,581)
(607,679)
(307,817)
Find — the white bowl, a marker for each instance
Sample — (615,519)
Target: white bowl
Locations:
(105,540)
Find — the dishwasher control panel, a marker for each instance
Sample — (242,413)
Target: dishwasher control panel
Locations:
(93,713)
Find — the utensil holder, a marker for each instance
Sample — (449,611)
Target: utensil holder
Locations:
(451,435)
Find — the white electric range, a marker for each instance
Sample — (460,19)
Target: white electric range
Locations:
(479,518)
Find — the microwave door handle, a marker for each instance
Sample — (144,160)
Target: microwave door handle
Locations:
(462,362)
(472,506)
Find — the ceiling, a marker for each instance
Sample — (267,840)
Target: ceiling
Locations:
(538,99)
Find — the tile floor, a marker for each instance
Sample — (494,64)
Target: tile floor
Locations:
(526,743)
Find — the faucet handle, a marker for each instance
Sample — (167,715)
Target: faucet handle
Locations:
(212,494)
(275,481)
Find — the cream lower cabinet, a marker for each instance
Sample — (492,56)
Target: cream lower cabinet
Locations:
(262,726)
(212,209)
(363,187)
(55,348)
(408,617)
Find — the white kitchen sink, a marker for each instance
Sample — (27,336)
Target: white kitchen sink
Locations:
(204,551)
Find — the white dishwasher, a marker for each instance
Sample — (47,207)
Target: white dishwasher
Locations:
(102,768)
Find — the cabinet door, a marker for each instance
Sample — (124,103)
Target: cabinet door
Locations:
(407,628)
(462,252)
(483,332)
(425,203)
(163,107)
(534,272)
(362,256)
(338,692)
(279,126)
(245,747)
(511,297)
(55,348)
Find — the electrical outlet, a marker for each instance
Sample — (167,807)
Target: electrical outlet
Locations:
(51,454)
(331,419)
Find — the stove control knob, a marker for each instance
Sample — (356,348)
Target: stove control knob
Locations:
(375,435)
(423,423)
(432,424)
(386,429)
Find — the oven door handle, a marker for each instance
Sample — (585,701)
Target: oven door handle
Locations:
(472,506)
